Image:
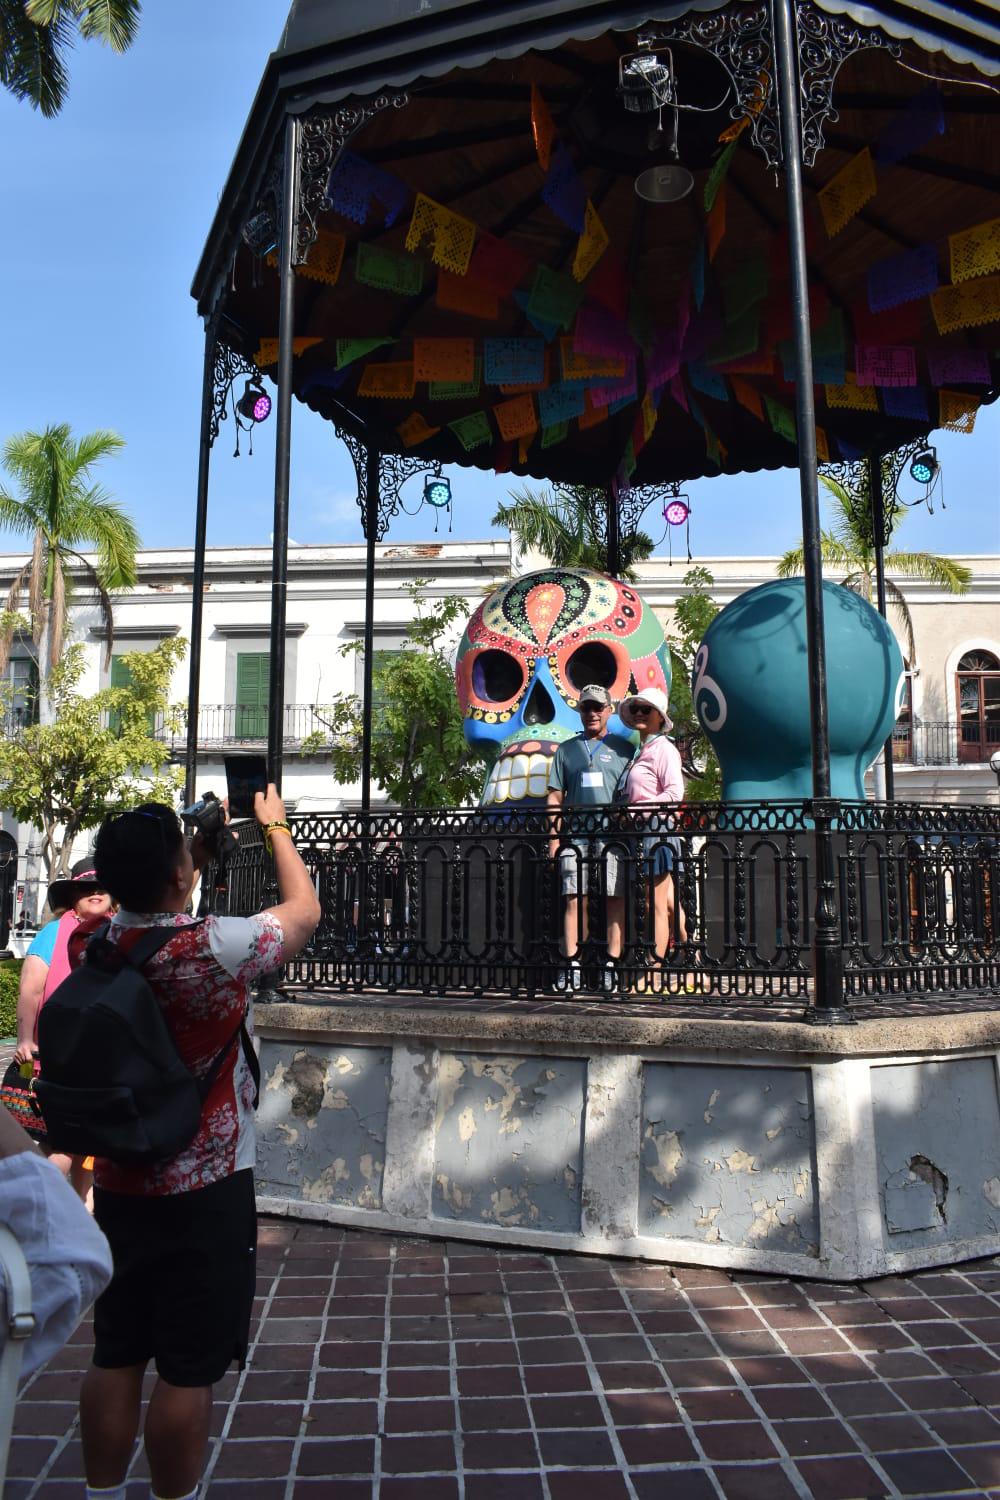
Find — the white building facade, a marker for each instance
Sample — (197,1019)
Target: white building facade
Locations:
(949,727)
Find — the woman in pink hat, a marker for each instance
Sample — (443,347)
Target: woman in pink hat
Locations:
(654,779)
(46,965)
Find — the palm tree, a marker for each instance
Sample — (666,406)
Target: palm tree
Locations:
(35,36)
(60,509)
(849,547)
(566,526)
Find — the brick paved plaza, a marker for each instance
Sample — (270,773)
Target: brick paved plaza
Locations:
(402,1369)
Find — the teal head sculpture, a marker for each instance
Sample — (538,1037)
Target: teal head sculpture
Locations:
(750,686)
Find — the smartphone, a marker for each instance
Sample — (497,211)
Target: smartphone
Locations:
(245,775)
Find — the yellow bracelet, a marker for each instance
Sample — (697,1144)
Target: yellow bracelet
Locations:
(270,828)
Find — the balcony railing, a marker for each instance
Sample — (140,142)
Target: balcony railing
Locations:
(939,744)
(464,904)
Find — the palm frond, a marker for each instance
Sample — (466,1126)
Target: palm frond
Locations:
(114,22)
(952,575)
(541,524)
(895,593)
(17,515)
(10,608)
(31,65)
(107,610)
(94,517)
(36,580)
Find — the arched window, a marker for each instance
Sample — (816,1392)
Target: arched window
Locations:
(902,733)
(978,688)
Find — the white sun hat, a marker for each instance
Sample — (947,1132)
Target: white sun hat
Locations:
(656,698)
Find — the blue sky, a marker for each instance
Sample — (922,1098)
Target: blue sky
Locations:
(107,208)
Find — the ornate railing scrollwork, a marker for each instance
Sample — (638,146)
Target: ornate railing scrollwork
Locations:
(825,42)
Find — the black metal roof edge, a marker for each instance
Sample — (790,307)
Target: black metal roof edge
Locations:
(434,43)
(293,83)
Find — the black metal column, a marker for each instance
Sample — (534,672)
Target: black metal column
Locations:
(198,570)
(877,502)
(614,558)
(371,536)
(282,455)
(828,958)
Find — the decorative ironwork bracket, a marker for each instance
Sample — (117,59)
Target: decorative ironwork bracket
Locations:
(394,469)
(853,476)
(323,137)
(228,366)
(740,38)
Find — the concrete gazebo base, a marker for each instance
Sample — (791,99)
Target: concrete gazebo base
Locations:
(834,1153)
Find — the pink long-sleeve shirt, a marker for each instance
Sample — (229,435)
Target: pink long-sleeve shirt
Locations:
(655,775)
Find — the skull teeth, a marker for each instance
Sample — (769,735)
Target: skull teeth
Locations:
(516,777)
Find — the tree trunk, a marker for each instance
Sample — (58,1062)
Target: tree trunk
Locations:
(46,709)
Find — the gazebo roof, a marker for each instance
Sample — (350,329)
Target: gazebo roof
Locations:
(666,354)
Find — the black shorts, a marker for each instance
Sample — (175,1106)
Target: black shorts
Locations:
(184,1274)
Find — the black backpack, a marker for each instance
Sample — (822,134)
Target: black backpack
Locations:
(112,1082)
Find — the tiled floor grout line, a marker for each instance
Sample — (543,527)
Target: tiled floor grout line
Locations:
(217,1443)
(61,1445)
(383,1379)
(789,1467)
(458,1435)
(596,1383)
(542,1468)
(293,1462)
(864,1355)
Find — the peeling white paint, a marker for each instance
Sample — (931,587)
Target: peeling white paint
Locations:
(467,1123)
(276,1082)
(706,1221)
(774,1132)
(321,1188)
(451,1071)
(669,1154)
(991,1191)
(343,1064)
(452,1193)
(366,1164)
(741,1161)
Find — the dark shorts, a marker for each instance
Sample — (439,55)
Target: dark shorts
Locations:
(662,854)
(184,1274)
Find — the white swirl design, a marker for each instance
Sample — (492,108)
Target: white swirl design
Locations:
(704,683)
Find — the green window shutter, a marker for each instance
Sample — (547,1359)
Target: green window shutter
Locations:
(253,678)
(120,677)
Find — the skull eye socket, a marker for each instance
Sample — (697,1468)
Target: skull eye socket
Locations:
(496,677)
(593,662)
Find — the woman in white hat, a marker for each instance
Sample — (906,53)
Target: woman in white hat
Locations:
(655,778)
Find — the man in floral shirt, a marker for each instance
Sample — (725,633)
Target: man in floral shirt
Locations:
(183,1232)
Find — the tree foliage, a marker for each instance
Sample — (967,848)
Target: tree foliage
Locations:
(850,548)
(98,756)
(60,509)
(693,613)
(36,35)
(567,526)
(420,757)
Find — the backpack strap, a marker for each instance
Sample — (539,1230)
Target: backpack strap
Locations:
(207,1079)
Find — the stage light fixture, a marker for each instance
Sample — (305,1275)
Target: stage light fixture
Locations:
(437,492)
(676,512)
(924,466)
(255,404)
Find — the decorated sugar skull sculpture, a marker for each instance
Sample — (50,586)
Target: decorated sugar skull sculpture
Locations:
(526,654)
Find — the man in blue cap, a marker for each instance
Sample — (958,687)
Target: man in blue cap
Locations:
(584,774)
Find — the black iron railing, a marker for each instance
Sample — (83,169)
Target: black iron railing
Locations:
(221,725)
(461,903)
(935,743)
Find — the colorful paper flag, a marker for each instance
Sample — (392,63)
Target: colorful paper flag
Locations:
(444,359)
(388,270)
(392,381)
(975,252)
(591,245)
(451,236)
(967,305)
(543,128)
(847,192)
